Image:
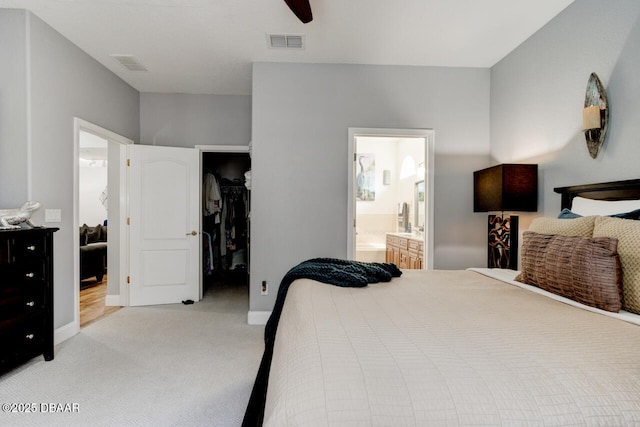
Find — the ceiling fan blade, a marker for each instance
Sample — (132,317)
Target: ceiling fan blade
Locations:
(301,8)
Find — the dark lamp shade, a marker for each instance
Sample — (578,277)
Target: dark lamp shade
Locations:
(506,187)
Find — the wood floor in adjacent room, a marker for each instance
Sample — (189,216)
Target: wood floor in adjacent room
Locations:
(92,301)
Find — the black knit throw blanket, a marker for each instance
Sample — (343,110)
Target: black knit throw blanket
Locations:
(337,272)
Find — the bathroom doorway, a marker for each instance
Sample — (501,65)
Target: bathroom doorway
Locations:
(390,196)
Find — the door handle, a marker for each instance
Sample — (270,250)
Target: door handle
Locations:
(193,233)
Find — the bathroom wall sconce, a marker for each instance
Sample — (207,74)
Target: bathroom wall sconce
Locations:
(595,115)
(386,177)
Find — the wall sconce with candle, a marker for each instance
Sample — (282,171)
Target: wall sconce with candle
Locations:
(595,115)
(505,187)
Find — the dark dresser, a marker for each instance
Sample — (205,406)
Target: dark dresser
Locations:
(26,295)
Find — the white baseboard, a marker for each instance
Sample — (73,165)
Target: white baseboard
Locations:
(65,332)
(112,300)
(258,317)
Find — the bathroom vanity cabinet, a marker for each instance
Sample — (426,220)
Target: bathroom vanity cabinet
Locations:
(405,250)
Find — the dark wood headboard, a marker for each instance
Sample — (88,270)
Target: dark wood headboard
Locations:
(617,190)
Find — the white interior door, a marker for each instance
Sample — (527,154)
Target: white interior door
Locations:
(164,224)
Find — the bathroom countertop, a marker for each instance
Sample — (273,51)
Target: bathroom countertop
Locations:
(406,235)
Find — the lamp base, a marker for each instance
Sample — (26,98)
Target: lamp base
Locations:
(503,242)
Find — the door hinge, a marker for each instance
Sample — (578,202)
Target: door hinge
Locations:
(354,157)
(128,221)
(128,162)
(128,280)
(354,223)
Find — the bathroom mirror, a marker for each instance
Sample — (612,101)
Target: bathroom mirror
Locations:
(419,204)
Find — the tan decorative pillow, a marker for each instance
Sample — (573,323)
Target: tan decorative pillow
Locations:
(627,232)
(583,269)
(565,227)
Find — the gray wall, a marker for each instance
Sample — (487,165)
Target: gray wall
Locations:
(64,83)
(529,103)
(537,96)
(13,104)
(301,116)
(183,120)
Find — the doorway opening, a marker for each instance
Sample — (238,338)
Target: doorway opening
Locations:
(390,198)
(93,233)
(100,265)
(226,191)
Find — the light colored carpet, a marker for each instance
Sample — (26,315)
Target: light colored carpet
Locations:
(169,365)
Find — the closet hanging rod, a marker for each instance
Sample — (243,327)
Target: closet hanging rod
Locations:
(233,190)
(234,185)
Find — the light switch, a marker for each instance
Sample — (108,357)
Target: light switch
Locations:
(52,215)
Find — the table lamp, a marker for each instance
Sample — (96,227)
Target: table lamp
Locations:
(505,187)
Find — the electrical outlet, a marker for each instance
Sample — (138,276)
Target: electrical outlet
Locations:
(265,288)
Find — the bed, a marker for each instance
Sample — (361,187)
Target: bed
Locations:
(471,347)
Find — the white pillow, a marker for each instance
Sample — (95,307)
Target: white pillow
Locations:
(586,207)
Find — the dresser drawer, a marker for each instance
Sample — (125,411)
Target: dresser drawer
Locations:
(22,340)
(30,272)
(22,304)
(23,247)
(399,242)
(31,246)
(415,245)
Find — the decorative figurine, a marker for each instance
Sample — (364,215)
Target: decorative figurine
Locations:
(10,219)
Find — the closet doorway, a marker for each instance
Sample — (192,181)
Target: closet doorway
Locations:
(226,195)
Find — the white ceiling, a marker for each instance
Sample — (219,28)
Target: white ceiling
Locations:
(208,46)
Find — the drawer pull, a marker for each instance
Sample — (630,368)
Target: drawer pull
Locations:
(31,303)
(29,275)
(29,336)
(31,248)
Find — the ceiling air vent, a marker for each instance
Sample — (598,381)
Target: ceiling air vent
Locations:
(286,41)
(130,62)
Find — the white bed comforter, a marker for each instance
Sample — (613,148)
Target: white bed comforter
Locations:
(438,348)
